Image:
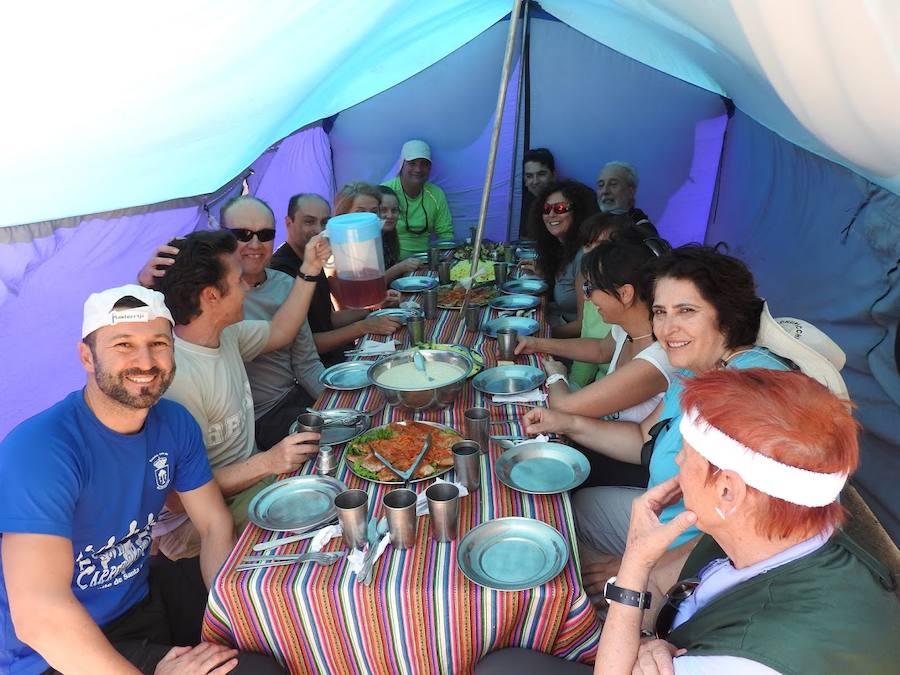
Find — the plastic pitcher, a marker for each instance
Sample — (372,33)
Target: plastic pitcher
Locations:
(358,259)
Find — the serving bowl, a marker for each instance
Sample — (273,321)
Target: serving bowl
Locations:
(422,397)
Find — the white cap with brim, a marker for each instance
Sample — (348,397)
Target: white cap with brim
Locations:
(99,312)
(415,149)
(813,352)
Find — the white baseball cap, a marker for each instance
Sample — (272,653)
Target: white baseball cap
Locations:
(99,312)
(415,149)
(811,350)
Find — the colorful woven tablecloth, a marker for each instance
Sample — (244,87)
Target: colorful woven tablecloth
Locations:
(420,614)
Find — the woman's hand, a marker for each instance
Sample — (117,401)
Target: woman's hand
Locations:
(525,344)
(648,538)
(544,420)
(157,265)
(409,265)
(391,299)
(553,367)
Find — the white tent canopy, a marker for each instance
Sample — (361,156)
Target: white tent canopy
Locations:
(146,115)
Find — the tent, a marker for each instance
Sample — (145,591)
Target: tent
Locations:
(771,126)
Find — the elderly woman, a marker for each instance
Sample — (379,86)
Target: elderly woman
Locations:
(775,586)
(555,218)
(706,316)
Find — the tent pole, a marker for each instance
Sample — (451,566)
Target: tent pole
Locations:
(495,138)
(520,103)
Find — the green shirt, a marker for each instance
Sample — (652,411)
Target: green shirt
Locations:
(592,326)
(420,217)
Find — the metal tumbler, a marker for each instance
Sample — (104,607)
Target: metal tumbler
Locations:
(444,272)
(310,422)
(434,257)
(467,464)
(400,511)
(326,464)
(472,317)
(443,506)
(352,512)
(476,426)
(415,324)
(507,338)
(500,270)
(429,303)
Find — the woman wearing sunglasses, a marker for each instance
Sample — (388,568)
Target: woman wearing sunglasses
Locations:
(555,220)
(774,586)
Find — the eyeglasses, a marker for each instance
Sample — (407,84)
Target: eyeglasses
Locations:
(244,236)
(588,288)
(676,595)
(558,208)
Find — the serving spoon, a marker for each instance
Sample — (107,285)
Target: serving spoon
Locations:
(419,362)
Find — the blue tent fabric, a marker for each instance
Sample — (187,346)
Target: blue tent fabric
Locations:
(115,145)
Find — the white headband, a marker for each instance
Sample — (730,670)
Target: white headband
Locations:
(790,483)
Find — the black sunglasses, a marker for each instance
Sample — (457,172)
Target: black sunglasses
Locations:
(244,236)
(587,287)
(676,595)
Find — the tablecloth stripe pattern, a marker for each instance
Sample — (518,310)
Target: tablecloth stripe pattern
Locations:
(420,614)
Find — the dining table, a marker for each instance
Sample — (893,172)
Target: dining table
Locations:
(420,614)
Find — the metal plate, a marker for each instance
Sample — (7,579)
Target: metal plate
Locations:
(522,325)
(526,254)
(515,379)
(413,284)
(346,376)
(296,503)
(514,302)
(446,245)
(542,468)
(477,359)
(512,554)
(423,257)
(396,312)
(335,434)
(527,285)
(440,472)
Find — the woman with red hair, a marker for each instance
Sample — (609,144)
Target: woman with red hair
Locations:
(775,586)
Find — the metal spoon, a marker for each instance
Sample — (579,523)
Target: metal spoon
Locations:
(419,362)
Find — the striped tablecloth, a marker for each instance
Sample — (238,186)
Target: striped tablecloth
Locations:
(420,614)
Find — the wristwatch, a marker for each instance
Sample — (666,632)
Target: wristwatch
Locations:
(614,593)
(556,377)
(307,277)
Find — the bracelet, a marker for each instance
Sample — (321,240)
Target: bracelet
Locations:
(307,277)
(556,377)
(626,596)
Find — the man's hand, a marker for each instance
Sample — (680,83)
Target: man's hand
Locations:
(553,367)
(595,575)
(525,344)
(648,538)
(157,265)
(380,325)
(544,420)
(315,254)
(291,452)
(204,659)
(392,298)
(655,658)
(409,265)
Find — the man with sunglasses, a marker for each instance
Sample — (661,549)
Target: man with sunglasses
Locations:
(204,289)
(423,206)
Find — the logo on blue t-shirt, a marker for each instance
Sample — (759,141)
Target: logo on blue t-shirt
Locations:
(112,564)
(160,462)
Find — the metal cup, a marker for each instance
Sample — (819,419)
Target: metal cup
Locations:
(326,464)
(444,272)
(477,423)
(415,324)
(434,257)
(472,317)
(506,343)
(400,510)
(509,255)
(443,506)
(467,464)
(429,303)
(500,270)
(352,512)
(310,422)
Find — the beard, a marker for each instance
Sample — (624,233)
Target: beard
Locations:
(114,386)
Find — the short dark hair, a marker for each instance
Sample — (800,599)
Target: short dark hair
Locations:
(294,202)
(385,190)
(623,259)
(595,226)
(554,255)
(240,199)
(198,265)
(724,282)
(541,156)
(125,302)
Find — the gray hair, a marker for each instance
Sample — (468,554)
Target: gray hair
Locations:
(631,175)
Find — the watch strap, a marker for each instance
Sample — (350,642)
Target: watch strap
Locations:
(626,596)
(307,277)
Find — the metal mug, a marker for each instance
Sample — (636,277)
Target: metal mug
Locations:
(327,461)
(444,272)
(400,510)
(310,422)
(472,317)
(443,506)
(477,425)
(467,464)
(500,271)
(507,338)
(352,511)
(434,257)
(429,303)
(415,324)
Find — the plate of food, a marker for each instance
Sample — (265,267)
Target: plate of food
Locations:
(477,359)
(460,270)
(489,251)
(399,443)
(451,296)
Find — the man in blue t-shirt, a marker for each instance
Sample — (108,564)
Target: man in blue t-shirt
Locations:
(83,483)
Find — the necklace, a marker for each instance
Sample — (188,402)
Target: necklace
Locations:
(639,337)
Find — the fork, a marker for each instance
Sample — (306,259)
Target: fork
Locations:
(252,562)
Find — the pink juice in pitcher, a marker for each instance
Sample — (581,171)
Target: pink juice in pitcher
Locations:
(362,293)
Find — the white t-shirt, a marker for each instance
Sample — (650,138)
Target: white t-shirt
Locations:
(212,384)
(654,354)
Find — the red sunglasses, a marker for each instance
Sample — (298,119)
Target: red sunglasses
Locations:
(558,208)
